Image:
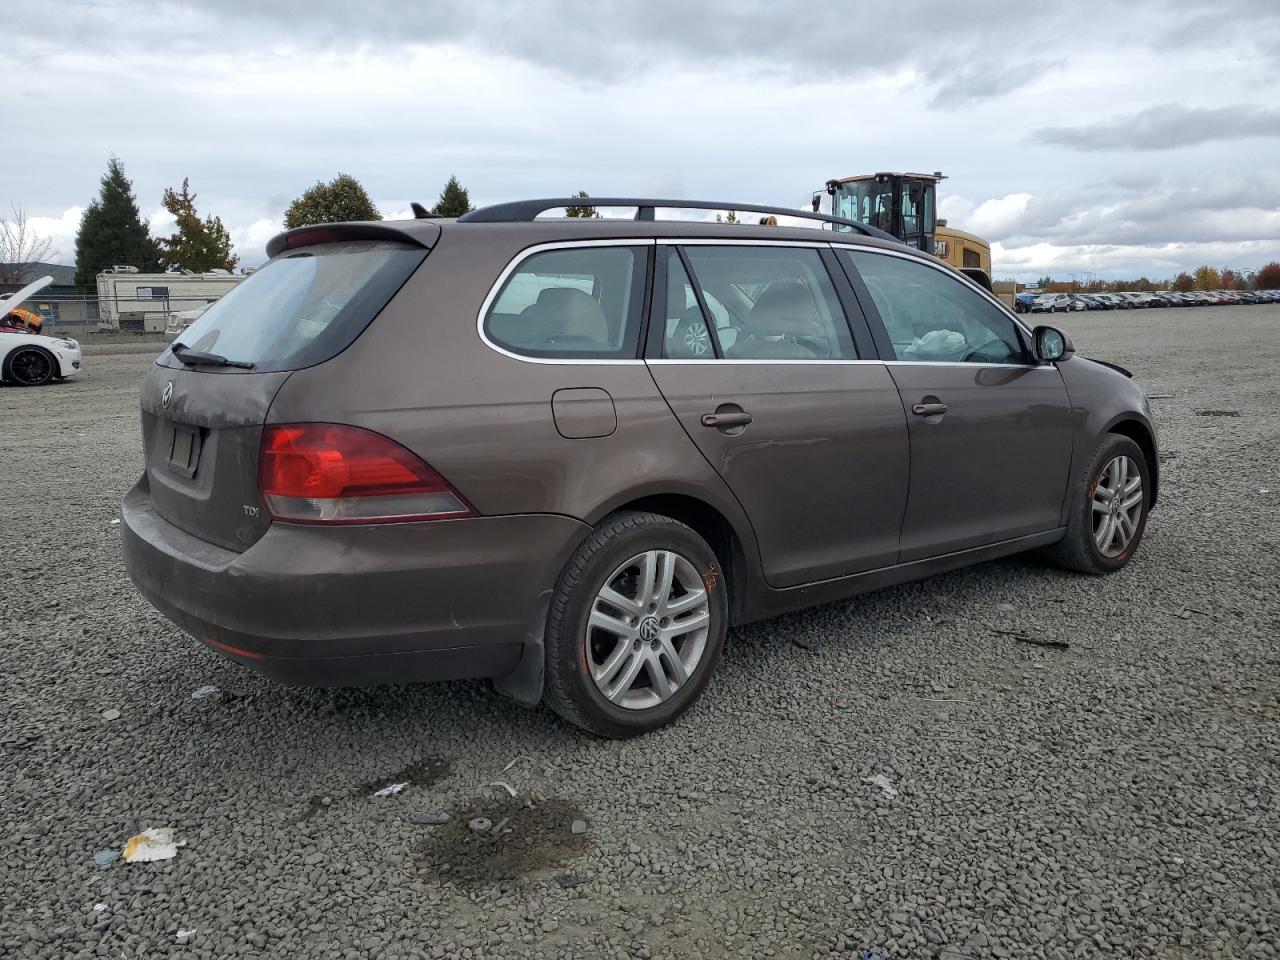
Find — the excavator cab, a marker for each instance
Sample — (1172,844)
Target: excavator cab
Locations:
(903,204)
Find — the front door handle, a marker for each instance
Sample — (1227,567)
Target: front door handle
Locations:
(929,409)
(723,420)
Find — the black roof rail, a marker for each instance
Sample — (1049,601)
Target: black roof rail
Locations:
(524,211)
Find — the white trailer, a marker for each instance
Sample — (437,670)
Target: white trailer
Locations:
(129,300)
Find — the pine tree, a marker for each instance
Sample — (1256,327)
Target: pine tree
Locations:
(340,200)
(199,245)
(112,232)
(454,200)
(585,210)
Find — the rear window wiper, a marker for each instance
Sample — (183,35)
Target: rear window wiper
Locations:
(193,358)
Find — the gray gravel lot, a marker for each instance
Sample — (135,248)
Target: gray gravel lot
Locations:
(1117,798)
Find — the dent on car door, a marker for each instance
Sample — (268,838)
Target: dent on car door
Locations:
(753,352)
(990,429)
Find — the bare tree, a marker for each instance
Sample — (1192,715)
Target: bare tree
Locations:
(19,245)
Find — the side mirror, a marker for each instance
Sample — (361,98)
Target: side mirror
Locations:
(1051,344)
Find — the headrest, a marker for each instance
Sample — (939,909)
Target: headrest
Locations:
(567,313)
(786,307)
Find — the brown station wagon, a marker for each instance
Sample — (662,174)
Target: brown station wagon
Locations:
(570,454)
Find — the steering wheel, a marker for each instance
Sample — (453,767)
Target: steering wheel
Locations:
(981,354)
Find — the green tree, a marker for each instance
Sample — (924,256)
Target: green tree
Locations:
(454,200)
(1207,278)
(199,245)
(1184,282)
(340,200)
(112,232)
(1268,277)
(586,210)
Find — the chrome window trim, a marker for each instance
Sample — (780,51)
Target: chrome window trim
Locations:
(736,242)
(948,271)
(511,267)
(681,361)
(961,363)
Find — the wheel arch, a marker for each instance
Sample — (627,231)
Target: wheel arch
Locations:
(710,524)
(7,360)
(1141,434)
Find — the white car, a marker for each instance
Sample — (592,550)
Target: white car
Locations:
(31,359)
(1051,303)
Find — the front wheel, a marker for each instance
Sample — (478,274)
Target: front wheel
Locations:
(636,627)
(1109,512)
(30,366)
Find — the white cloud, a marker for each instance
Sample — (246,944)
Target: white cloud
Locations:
(61,230)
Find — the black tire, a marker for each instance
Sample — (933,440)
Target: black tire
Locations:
(1078,550)
(30,366)
(569,688)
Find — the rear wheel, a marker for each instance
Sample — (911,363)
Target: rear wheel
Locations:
(1109,512)
(636,627)
(30,366)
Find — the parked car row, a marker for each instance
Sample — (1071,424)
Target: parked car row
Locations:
(1064,302)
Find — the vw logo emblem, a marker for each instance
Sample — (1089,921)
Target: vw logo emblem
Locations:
(649,630)
(166,397)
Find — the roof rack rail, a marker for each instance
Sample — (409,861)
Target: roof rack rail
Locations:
(524,211)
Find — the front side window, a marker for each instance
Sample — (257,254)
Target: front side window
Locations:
(931,316)
(580,302)
(768,302)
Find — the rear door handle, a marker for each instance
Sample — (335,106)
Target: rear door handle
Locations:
(929,409)
(723,420)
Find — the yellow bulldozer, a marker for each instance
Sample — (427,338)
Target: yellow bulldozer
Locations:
(905,205)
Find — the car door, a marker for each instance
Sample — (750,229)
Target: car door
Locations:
(751,348)
(990,428)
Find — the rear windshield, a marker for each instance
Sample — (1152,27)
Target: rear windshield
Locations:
(305,306)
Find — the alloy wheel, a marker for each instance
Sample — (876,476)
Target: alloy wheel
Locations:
(648,629)
(1117,506)
(31,367)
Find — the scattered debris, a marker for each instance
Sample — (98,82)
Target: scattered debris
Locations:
(208,690)
(1178,860)
(805,643)
(1184,612)
(1159,396)
(945,700)
(100,908)
(1217,413)
(1166,455)
(103,857)
(874,953)
(497,827)
(567,881)
(502,783)
(578,826)
(390,790)
(1005,607)
(480,824)
(115,521)
(184,936)
(881,781)
(1034,641)
(515,761)
(112,714)
(1264,490)
(151,844)
(429,819)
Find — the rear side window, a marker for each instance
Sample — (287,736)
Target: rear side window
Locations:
(305,306)
(580,302)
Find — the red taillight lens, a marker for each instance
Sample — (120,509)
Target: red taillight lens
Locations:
(330,473)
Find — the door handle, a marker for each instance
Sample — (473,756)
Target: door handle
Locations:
(929,409)
(723,420)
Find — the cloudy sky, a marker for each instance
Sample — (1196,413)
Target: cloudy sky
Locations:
(1117,138)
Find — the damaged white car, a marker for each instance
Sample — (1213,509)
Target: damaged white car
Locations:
(28,358)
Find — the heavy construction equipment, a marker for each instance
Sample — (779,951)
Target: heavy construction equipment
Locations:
(905,205)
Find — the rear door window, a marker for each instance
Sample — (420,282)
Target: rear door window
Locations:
(305,306)
(577,302)
(766,303)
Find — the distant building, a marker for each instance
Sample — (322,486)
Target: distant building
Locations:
(137,302)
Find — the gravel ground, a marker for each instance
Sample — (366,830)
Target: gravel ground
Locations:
(1116,798)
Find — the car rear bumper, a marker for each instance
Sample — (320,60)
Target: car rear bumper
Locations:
(356,605)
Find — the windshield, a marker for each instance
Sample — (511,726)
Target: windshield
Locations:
(303,307)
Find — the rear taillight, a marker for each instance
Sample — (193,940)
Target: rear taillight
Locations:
(330,473)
